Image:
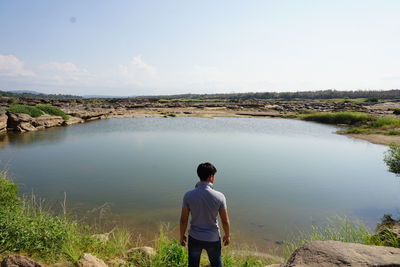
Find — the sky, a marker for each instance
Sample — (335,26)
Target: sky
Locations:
(150,47)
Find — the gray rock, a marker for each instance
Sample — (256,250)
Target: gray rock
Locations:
(335,253)
(19,261)
(73,120)
(25,127)
(88,260)
(148,252)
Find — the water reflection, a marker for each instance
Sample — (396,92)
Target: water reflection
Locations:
(48,136)
(278,175)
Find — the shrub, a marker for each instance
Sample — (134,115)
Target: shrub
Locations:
(52,110)
(30,110)
(350,118)
(392,158)
(372,100)
(394,132)
(396,111)
(169,252)
(385,123)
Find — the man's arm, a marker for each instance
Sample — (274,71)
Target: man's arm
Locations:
(223,213)
(183,225)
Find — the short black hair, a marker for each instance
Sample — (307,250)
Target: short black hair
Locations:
(205,170)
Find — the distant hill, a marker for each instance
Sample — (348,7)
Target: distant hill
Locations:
(105,96)
(321,94)
(35,94)
(25,92)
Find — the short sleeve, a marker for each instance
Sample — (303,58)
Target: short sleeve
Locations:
(223,205)
(185,203)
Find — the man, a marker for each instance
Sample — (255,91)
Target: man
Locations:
(204,204)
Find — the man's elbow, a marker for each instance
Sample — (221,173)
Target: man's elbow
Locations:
(225,222)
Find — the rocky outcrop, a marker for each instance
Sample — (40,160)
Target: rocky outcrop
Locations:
(89,114)
(73,120)
(335,254)
(20,122)
(19,261)
(47,121)
(88,260)
(3,121)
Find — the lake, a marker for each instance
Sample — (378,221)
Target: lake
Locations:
(279,176)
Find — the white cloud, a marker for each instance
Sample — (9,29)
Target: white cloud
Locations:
(63,72)
(138,72)
(10,65)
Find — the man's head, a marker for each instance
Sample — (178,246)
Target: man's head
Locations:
(205,171)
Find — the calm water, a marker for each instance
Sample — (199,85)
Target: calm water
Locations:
(278,175)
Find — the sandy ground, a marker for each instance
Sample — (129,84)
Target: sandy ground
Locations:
(377,138)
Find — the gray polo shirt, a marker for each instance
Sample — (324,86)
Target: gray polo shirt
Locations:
(204,203)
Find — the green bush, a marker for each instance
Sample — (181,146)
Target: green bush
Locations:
(169,252)
(385,123)
(392,158)
(30,110)
(52,110)
(372,100)
(349,118)
(394,132)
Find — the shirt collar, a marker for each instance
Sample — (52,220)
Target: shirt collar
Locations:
(203,184)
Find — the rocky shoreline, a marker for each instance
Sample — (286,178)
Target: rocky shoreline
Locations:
(312,254)
(84,110)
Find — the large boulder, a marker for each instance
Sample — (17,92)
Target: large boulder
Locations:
(47,121)
(88,260)
(20,122)
(19,261)
(147,252)
(335,253)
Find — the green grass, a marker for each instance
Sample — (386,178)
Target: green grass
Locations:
(166,100)
(385,123)
(360,123)
(38,110)
(345,230)
(52,110)
(28,227)
(381,125)
(349,118)
(338,229)
(30,110)
(356,100)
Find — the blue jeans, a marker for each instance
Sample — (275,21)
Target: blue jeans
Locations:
(213,251)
